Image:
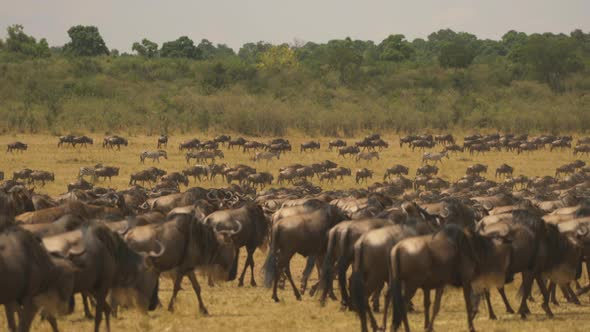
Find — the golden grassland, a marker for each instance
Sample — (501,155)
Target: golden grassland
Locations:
(251,309)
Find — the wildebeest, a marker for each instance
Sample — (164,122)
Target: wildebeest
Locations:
(427,170)
(396,170)
(108,264)
(112,141)
(476,169)
(260,179)
(338,143)
(306,234)
(250,227)
(582,149)
(222,139)
(504,170)
(190,144)
(175,177)
(31,279)
(66,139)
(236,142)
(197,172)
(363,174)
(143,176)
(189,244)
(162,141)
(18,146)
(153,155)
(42,176)
(106,172)
(82,140)
(311,145)
(348,150)
(23,174)
(80,184)
(453,256)
(565,169)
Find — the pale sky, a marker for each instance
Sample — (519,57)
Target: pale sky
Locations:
(122,22)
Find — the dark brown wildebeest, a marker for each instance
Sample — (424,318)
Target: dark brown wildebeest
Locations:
(162,141)
(363,174)
(111,141)
(305,172)
(239,175)
(143,176)
(18,146)
(341,172)
(240,141)
(476,169)
(453,256)
(348,150)
(222,139)
(197,172)
(82,140)
(260,179)
(71,207)
(106,172)
(327,176)
(80,184)
(421,144)
(252,145)
(42,176)
(108,264)
(32,280)
(565,169)
(396,170)
(341,239)
(369,274)
(251,230)
(190,144)
(560,144)
(311,145)
(23,174)
(336,144)
(1,175)
(407,140)
(306,234)
(175,177)
(67,139)
(436,183)
(538,249)
(209,146)
(444,139)
(479,148)
(453,148)
(427,170)
(189,244)
(504,170)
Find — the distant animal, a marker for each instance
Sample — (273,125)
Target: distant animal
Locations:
(396,170)
(348,150)
(112,141)
(433,156)
(42,176)
(268,156)
(162,141)
(367,156)
(504,170)
(202,156)
(18,146)
(82,140)
(311,145)
(363,174)
(153,155)
(336,144)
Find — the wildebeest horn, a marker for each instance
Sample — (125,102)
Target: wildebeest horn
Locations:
(75,253)
(582,230)
(159,253)
(445,212)
(487,205)
(211,197)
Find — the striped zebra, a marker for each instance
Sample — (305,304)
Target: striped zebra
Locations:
(87,171)
(436,157)
(153,155)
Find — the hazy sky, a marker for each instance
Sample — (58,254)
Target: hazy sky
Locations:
(121,22)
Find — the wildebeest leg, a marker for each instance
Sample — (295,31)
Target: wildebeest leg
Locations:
(53,322)
(545,294)
(87,312)
(177,280)
(467,298)
(10,309)
(426,308)
(552,292)
(376,296)
(290,277)
(318,263)
(343,264)
(252,281)
(573,297)
(527,281)
(100,302)
(197,289)
(489,304)
(437,298)
(387,301)
(27,315)
(307,272)
(248,260)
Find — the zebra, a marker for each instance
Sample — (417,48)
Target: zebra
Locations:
(89,171)
(153,155)
(436,157)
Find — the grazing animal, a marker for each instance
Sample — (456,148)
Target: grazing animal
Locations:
(197,172)
(367,155)
(348,150)
(67,139)
(504,170)
(363,174)
(42,176)
(112,141)
(336,144)
(436,157)
(106,172)
(202,156)
(311,145)
(268,156)
(191,144)
(396,170)
(82,140)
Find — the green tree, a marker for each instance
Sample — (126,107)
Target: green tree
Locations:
(340,55)
(458,52)
(183,47)
(396,48)
(146,48)
(85,41)
(251,52)
(20,42)
(551,58)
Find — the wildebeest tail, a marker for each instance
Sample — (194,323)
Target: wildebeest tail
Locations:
(270,264)
(399,309)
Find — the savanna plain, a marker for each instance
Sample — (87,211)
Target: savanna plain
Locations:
(251,308)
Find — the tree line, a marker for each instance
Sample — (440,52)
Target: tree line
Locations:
(340,71)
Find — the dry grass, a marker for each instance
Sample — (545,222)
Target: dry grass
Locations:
(251,309)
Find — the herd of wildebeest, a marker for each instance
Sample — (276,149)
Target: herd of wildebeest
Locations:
(381,243)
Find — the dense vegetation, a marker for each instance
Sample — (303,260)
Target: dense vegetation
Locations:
(450,80)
